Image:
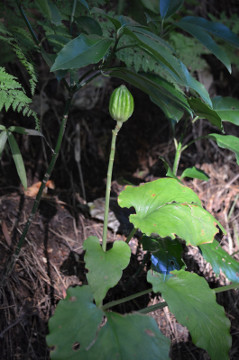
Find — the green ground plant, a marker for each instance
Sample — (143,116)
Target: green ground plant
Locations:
(75,35)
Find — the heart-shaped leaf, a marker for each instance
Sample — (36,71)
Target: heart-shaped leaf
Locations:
(82,51)
(227,108)
(221,260)
(76,332)
(229,142)
(105,267)
(168,208)
(194,305)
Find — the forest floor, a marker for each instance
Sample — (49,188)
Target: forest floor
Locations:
(52,258)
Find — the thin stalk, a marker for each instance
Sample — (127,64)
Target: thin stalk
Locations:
(126,299)
(131,234)
(40,191)
(226,288)
(108,183)
(193,141)
(177,157)
(152,308)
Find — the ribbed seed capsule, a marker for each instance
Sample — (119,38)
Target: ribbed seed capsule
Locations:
(121,105)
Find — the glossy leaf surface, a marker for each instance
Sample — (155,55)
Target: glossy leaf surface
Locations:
(195,173)
(168,8)
(204,111)
(161,51)
(227,108)
(105,267)
(221,260)
(196,28)
(217,29)
(81,51)
(229,142)
(75,332)
(18,160)
(194,305)
(167,208)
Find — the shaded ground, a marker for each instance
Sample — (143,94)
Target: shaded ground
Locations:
(52,258)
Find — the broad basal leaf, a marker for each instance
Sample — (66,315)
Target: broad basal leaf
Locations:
(18,160)
(74,324)
(195,173)
(201,33)
(77,332)
(227,108)
(204,111)
(167,208)
(144,339)
(82,51)
(194,305)
(105,267)
(221,260)
(229,142)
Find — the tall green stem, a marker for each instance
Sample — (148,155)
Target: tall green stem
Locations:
(42,187)
(108,183)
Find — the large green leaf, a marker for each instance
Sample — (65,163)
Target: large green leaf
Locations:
(168,8)
(75,322)
(196,28)
(221,260)
(82,51)
(89,25)
(229,142)
(3,140)
(171,110)
(105,267)
(18,160)
(227,108)
(194,305)
(160,50)
(144,339)
(160,91)
(205,112)
(217,29)
(167,208)
(75,332)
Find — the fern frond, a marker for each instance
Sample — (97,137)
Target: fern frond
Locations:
(12,94)
(7,37)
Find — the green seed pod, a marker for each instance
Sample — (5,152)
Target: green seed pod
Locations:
(121,105)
